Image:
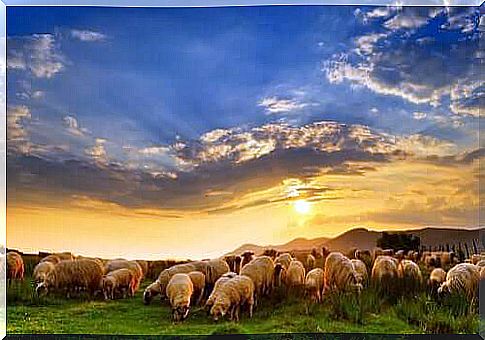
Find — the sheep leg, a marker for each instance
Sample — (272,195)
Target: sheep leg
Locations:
(201,295)
(237,308)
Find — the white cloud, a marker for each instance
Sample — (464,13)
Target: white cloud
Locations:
(37,53)
(72,126)
(98,151)
(277,105)
(419,115)
(405,22)
(17,137)
(87,35)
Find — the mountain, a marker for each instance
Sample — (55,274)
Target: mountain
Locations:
(363,238)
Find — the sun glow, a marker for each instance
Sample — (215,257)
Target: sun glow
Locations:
(302,207)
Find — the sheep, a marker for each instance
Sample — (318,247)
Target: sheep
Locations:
(410,276)
(119,280)
(482,273)
(234,294)
(475,258)
(232,261)
(295,277)
(65,256)
(314,284)
(198,280)
(399,255)
(15,267)
(179,291)
(70,274)
(339,274)
(361,271)
(261,271)
(122,263)
(436,278)
(388,252)
(160,284)
(282,262)
(51,258)
(461,279)
(310,262)
(215,291)
(480,263)
(144,266)
(247,256)
(366,257)
(41,270)
(271,253)
(384,274)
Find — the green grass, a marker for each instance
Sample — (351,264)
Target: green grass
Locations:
(28,314)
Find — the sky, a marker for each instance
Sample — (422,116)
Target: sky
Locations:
(187,132)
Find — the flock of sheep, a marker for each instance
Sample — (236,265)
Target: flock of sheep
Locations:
(230,284)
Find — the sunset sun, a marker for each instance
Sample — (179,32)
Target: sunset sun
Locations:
(302,207)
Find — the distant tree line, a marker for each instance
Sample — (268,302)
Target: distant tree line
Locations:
(399,241)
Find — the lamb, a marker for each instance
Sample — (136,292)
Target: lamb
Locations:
(261,271)
(410,276)
(361,271)
(41,270)
(219,283)
(160,284)
(51,258)
(310,262)
(70,274)
(461,279)
(198,281)
(339,274)
(247,256)
(436,278)
(314,284)
(15,267)
(119,280)
(384,274)
(235,293)
(179,291)
(295,276)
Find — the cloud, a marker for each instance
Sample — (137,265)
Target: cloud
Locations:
(87,35)
(98,151)
(38,54)
(72,126)
(278,105)
(17,137)
(419,115)
(398,63)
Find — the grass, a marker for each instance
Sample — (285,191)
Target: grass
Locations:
(275,314)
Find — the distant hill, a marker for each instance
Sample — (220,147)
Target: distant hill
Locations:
(363,238)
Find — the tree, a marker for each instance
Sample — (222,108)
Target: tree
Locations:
(399,241)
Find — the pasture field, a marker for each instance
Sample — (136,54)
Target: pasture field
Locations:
(276,314)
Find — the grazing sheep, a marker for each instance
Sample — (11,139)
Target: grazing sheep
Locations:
(436,278)
(361,271)
(410,276)
(51,258)
(131,265)
(232,295)
(310,262)
(67,275)
(481,263)
(366,257)
(295,277)
(160,284)
(219,283)
(247,256)
(384,275)
(271,253)
(261,271)
(118,281)
(198,280)
(41,270)
(376,252)
(314,284)
(461,279)
(339,275)
(179,291)
(15,266)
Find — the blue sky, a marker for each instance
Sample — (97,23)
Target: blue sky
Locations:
(181,104)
